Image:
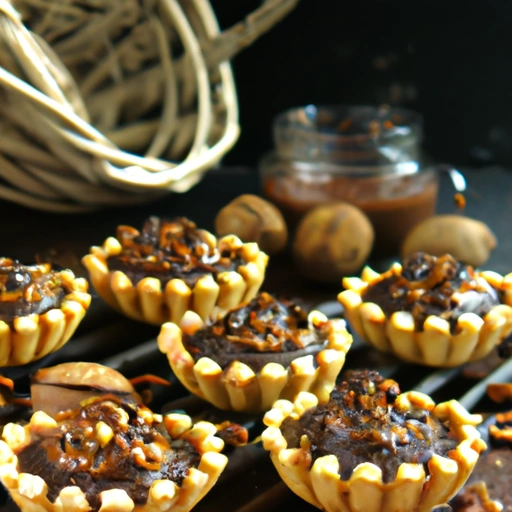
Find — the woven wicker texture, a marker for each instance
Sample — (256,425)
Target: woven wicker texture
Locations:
(116,102)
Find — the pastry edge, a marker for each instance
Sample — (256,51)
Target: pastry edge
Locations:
(147,302)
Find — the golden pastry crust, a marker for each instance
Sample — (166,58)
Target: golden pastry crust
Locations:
(503,284)
(32,336)
(148,301)
(436,344)
(30,491)
(412,490)
(238,387)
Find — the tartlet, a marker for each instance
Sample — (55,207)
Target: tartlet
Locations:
(109,455)
(40,309)
(259,351)
(432,310)
(171,266)
(372,448)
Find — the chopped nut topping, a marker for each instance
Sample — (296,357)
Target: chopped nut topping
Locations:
(256,333)
(167,249)
(428,285)
(366,420)
(25,290)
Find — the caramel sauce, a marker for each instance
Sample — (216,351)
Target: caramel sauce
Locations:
(393,208)
(460,201)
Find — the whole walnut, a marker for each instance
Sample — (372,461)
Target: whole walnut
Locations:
(253,219)
(466,239)
(332,241)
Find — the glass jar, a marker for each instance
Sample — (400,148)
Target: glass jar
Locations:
(364,155)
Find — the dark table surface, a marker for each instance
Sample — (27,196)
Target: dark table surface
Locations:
(104,333)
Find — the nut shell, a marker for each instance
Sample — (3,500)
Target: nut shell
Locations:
(332,241)
(253,219)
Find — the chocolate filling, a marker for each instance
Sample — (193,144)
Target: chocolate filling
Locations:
(261,331)
(27,290)
(71,454)
(170,249)
(428,285)
(361,423)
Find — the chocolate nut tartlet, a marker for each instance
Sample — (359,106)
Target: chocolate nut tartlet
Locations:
(109,455)
(40,309)
(372,448)
(430,310)
(259,351)
(171,266)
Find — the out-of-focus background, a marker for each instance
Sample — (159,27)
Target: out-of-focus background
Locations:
(448,59)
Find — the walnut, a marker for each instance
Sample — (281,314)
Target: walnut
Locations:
(468,240)
(253,219)
(332,241)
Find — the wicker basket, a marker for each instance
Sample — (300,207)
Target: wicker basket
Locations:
(116,102)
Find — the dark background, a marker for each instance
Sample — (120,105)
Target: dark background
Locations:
(450,60)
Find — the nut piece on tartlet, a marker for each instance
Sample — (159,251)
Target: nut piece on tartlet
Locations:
(40,309)
(171,266)
(258,352)
(109,455)
(372,448)
(429,310)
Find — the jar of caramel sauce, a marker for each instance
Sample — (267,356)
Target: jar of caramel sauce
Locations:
(368,156)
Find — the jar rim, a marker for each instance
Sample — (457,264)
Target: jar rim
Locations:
(377,138)
(347,121)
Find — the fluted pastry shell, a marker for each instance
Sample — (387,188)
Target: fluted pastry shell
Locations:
(34,336)
(30,491)
(473,338)
(238,387)
(148,302)
(412,490)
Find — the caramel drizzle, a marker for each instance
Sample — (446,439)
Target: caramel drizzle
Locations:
(41,280)
(441,277)
(164,242)
(80,441)
(267,334)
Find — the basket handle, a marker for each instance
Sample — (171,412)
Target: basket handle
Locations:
(244,33)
